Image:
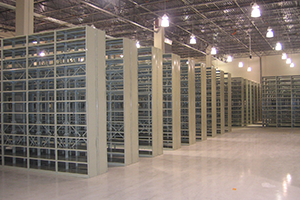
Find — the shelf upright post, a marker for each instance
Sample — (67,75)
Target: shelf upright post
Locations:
(150,101)
(171,101)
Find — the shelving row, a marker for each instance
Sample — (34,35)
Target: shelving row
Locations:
(150,101)
(227,99)
(187,77)
(245,102)
(220,101)
(45,121)
(200,103)
(171,102)
(122,101)
(281,101)
(211,104)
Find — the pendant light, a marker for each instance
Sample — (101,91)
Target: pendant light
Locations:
(292,65)
(138,44)
(193,39)
(284,56)
(270,33)
(213,51)
(229,58)
(278,46)
(288,61)
(165,21)
(249,69)
(255,10)
(241,64)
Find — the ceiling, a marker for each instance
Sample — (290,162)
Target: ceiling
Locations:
(225,24)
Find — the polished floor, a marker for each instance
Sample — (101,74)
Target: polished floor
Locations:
(248,163)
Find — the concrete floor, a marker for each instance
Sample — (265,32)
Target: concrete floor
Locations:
(248,163)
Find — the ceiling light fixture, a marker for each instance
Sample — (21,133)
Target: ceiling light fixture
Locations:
(284,56)
(270,33)
(138,44)
(278,46)
(249,69)
(42,53)
(165,21)
(241,64)
(292,65)
(229,58)
(213,51)
(255,10)
(288,61)
(193,39)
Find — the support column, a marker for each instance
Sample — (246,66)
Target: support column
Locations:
(24,17)
(159,36)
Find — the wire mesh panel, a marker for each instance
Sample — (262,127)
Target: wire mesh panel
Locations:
(200,101)
(150,101)
(227,99)
(171,101)
(45,123)
(122,101)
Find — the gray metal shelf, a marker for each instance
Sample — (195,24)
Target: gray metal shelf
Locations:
(227,98)
(211,101)
(47,80)
(220,99)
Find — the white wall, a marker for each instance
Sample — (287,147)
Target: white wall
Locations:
(271,66)
(236,71)
(275,66)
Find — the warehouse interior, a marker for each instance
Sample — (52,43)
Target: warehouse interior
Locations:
(171,99)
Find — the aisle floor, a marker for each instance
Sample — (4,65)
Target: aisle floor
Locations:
(248,163)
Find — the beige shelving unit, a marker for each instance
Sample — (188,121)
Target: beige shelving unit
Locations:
(122,101)
(200,102)
(227,98)
(211,101)
(220,98)
(150,83)
(188,125)
(171,101)
(52,84)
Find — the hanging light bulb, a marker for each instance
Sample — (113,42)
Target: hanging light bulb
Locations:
(193,39)
(165,21)
(270,33)
(255,11)
(278,46)
(284,56)
(249,69)
(288,61)
(138,44)
(229,58)
(292,65)
(241,64)
(213,51)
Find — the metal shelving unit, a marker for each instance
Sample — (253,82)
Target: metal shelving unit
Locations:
(238,100)
(211,101)
(227,98)
(171,101)
(150,101)
(200,101)
(220,99)
(188,125)
(47,81)
(122,101)
(280,101)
